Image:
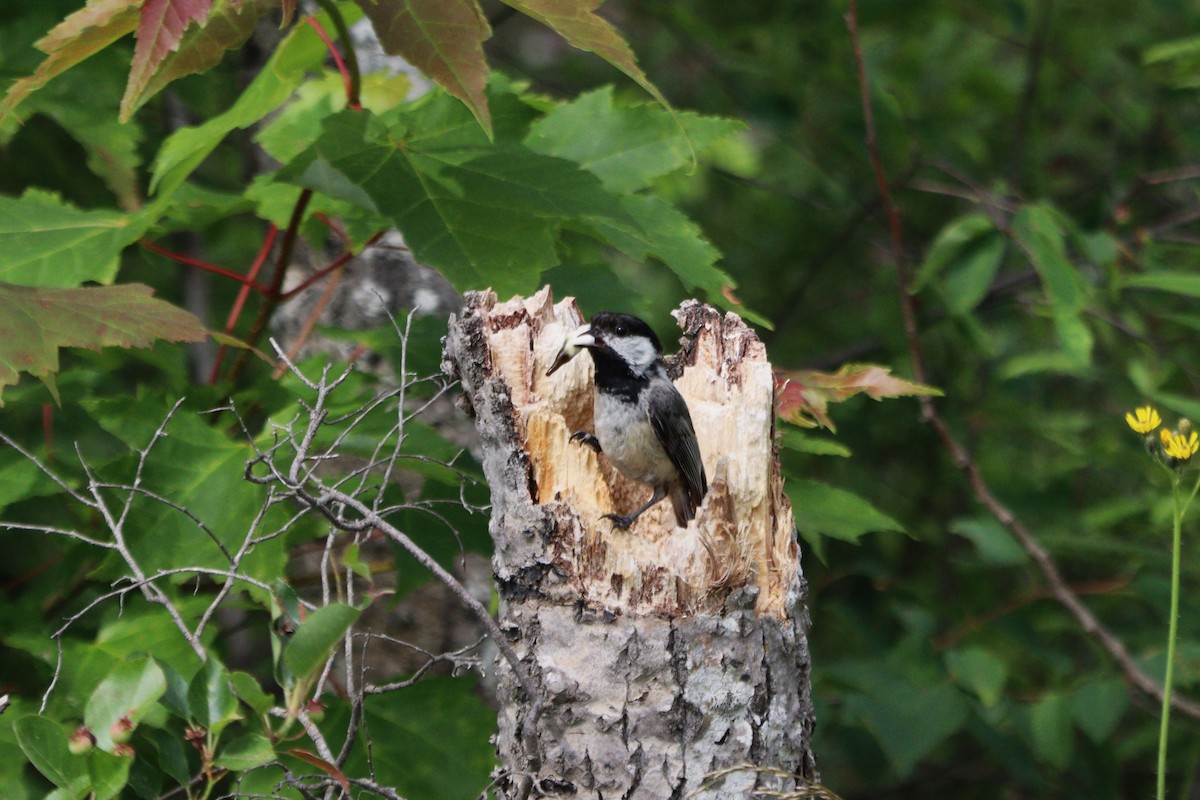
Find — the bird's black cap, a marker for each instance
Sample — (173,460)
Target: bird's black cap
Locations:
(613,323)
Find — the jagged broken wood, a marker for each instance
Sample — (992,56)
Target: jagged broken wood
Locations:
(660,655)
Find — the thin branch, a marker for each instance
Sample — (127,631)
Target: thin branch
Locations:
(235,311)
(49,473)
(400,419)
(347,61)
(53,531)
(248,541)
(333,503)
(455,658)
(115,526)
(314,315)
(202,265)
(317,737)
(136,490)
(1057,586)
(895,228)
(140,583)
(53,678)
(379,789)
(143,455)
(1033,70)
(1055,583)
(331,267)
(1189,172)
(948,190)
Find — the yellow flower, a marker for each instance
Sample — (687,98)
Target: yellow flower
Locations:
(1144,419)
(1180,446)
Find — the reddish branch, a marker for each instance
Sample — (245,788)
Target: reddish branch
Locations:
(334,266)
(352,100)
(198,264)
(236,311)
(275,291)
(347,65)
(1057,587)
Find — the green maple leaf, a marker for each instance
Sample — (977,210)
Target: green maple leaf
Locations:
(299,52)
(482,216)
(626,146)
(47,242)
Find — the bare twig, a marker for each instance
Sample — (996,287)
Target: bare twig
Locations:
(317,737)
(53,531)
(456,658)
(49,473)
(248,542)
(1189,172)
(116,526)
(347,512)
(376,788)
(135,489)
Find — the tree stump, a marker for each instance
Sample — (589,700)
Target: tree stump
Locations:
(661,655)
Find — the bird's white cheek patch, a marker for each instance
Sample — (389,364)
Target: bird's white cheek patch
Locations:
(638,352)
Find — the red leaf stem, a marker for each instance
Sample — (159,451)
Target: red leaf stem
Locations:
(333,265)
(198,264)
(240,302)
(351,100)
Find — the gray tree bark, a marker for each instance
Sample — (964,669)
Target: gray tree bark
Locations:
(666,662)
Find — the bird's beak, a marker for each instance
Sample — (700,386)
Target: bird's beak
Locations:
(579,339)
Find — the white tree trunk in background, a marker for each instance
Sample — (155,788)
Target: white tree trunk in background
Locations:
(658,655)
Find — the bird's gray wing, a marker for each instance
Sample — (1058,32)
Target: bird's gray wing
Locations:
(673,427)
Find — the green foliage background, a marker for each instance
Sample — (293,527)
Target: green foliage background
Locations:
(1043,156)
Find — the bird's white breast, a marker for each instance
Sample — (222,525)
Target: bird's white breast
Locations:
(629,442)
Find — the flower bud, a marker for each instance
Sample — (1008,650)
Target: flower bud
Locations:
(81,741)
(122,730)
(195,737)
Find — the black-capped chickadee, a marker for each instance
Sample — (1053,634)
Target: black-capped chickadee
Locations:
(642,422)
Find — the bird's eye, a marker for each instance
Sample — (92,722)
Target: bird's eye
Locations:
(620,330)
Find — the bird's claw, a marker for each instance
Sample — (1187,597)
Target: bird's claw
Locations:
(586,438)
(620,522)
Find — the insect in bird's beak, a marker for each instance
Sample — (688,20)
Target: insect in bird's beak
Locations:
(580,338)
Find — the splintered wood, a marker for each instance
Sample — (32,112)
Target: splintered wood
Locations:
(743,535)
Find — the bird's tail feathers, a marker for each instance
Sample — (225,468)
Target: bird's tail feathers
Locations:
(685,507)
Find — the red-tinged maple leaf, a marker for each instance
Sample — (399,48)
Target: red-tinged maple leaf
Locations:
(160,28)
(230,24)
(575,21)
(797,405)
(82,34)
(442,38)
(35,322)
(802,396)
